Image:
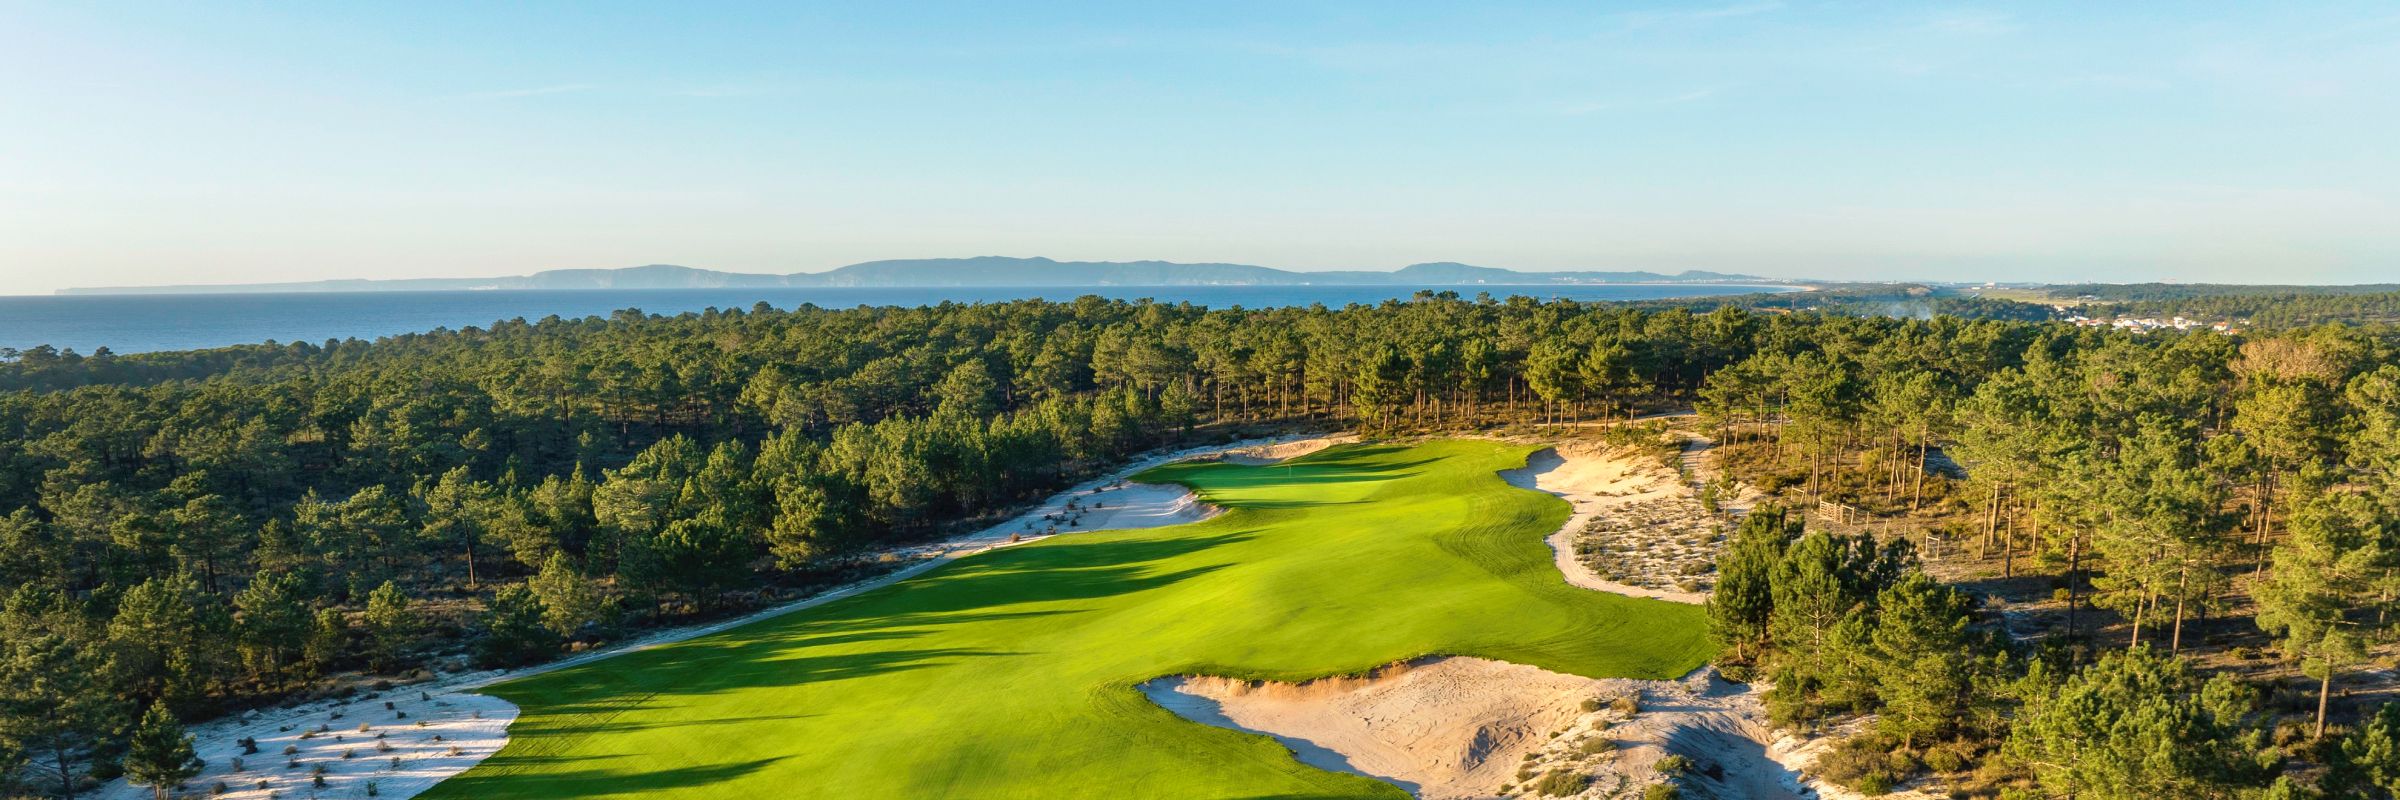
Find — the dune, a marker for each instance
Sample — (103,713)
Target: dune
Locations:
(1601,485)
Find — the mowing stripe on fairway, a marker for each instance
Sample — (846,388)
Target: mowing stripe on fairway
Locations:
(1011,673)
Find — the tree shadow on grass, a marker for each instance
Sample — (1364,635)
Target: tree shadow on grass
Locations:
(504,761)
(1069,570)
(569,727)
(592,782)
(1264,505)
(1349,465)
(811,646)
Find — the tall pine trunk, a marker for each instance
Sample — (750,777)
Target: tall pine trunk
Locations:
(2175,637)
(2324,693)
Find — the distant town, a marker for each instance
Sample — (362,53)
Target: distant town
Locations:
(2148,324)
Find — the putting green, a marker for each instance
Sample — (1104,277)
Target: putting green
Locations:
(1012,673)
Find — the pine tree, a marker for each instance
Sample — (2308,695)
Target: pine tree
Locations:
(272,626)
(52,703)
(12,768)
(1923,662)
(2319,581)
(2158,526)
(968,390)
(2367,764)
(2139,725)
(160,753)
(514,633)
(569,600)
(391,626)
(455,510)
(1744,600)
(328,641)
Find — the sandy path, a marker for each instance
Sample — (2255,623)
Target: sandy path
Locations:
(440,728)
(1594,483)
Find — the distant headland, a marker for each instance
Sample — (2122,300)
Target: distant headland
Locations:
(942,272)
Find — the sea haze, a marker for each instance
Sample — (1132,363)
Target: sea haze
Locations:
(143,323)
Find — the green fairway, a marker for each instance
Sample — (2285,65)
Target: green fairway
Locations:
(1012,673)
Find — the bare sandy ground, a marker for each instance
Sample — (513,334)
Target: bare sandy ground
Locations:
(440,728)
(1109,507)
(400,742)
(1604,488)
(1274,453)
(1450,728)
(1440,728)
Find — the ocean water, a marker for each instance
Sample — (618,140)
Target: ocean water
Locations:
(142,323)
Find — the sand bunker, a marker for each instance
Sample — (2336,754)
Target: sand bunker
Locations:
(1446,727)
(1637,519)
(1113,506)
(1264,454)
(1449,727)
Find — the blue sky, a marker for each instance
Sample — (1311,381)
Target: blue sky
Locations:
(157,142)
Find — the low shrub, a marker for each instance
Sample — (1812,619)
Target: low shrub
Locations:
(1948,758)
(1661,791)
(1562,784)
(1866,763)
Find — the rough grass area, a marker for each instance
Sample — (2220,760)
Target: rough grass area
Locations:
(1012,673)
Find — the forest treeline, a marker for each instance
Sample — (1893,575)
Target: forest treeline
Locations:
(207,531)
(2158,477)
(2135,292)
(2269,311)
(2264,306)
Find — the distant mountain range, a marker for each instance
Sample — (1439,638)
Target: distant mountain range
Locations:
(937,272)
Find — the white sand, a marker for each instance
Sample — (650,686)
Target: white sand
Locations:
(1278,452)
(476,724)
(1441,728)
(1111,507)
(1595,483)
(1449,728)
